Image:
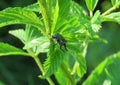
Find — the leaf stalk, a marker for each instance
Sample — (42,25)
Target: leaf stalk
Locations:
(111,9)
(37,60)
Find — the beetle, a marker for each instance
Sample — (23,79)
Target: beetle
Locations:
(60,40)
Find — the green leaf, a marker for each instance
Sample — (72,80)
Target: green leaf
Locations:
(115,2)
(19,33)
(91,4)
(33,7)
(6,49)
(81,69)
(35,41)
(61,13)
(96,22)
(74,21)
(40,44)
(31,33)
(78,19)
(77,11)
(32,39)
(56,14)
(61,78)
(114,17)
(64,8)
(67,25)
(106,73)
(18,15)
(76,50)
(55,57)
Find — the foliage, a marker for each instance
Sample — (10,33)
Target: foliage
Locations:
(77,27)
(107,73)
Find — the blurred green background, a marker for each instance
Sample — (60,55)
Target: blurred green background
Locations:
(19,70)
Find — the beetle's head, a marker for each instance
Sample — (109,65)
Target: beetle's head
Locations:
(55,36)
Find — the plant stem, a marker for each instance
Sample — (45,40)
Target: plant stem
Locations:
(111,9)
(91,13)
(39,64)
(37,60)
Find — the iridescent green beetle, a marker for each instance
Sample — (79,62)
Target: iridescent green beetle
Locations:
(60,40)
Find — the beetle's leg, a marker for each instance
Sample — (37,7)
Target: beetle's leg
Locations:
(61,47)
(65,47)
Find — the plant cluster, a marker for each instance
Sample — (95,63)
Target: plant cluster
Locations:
(74,27)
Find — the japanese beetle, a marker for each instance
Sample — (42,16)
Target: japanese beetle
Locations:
(60,40)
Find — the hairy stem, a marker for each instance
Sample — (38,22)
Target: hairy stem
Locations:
(37,60)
